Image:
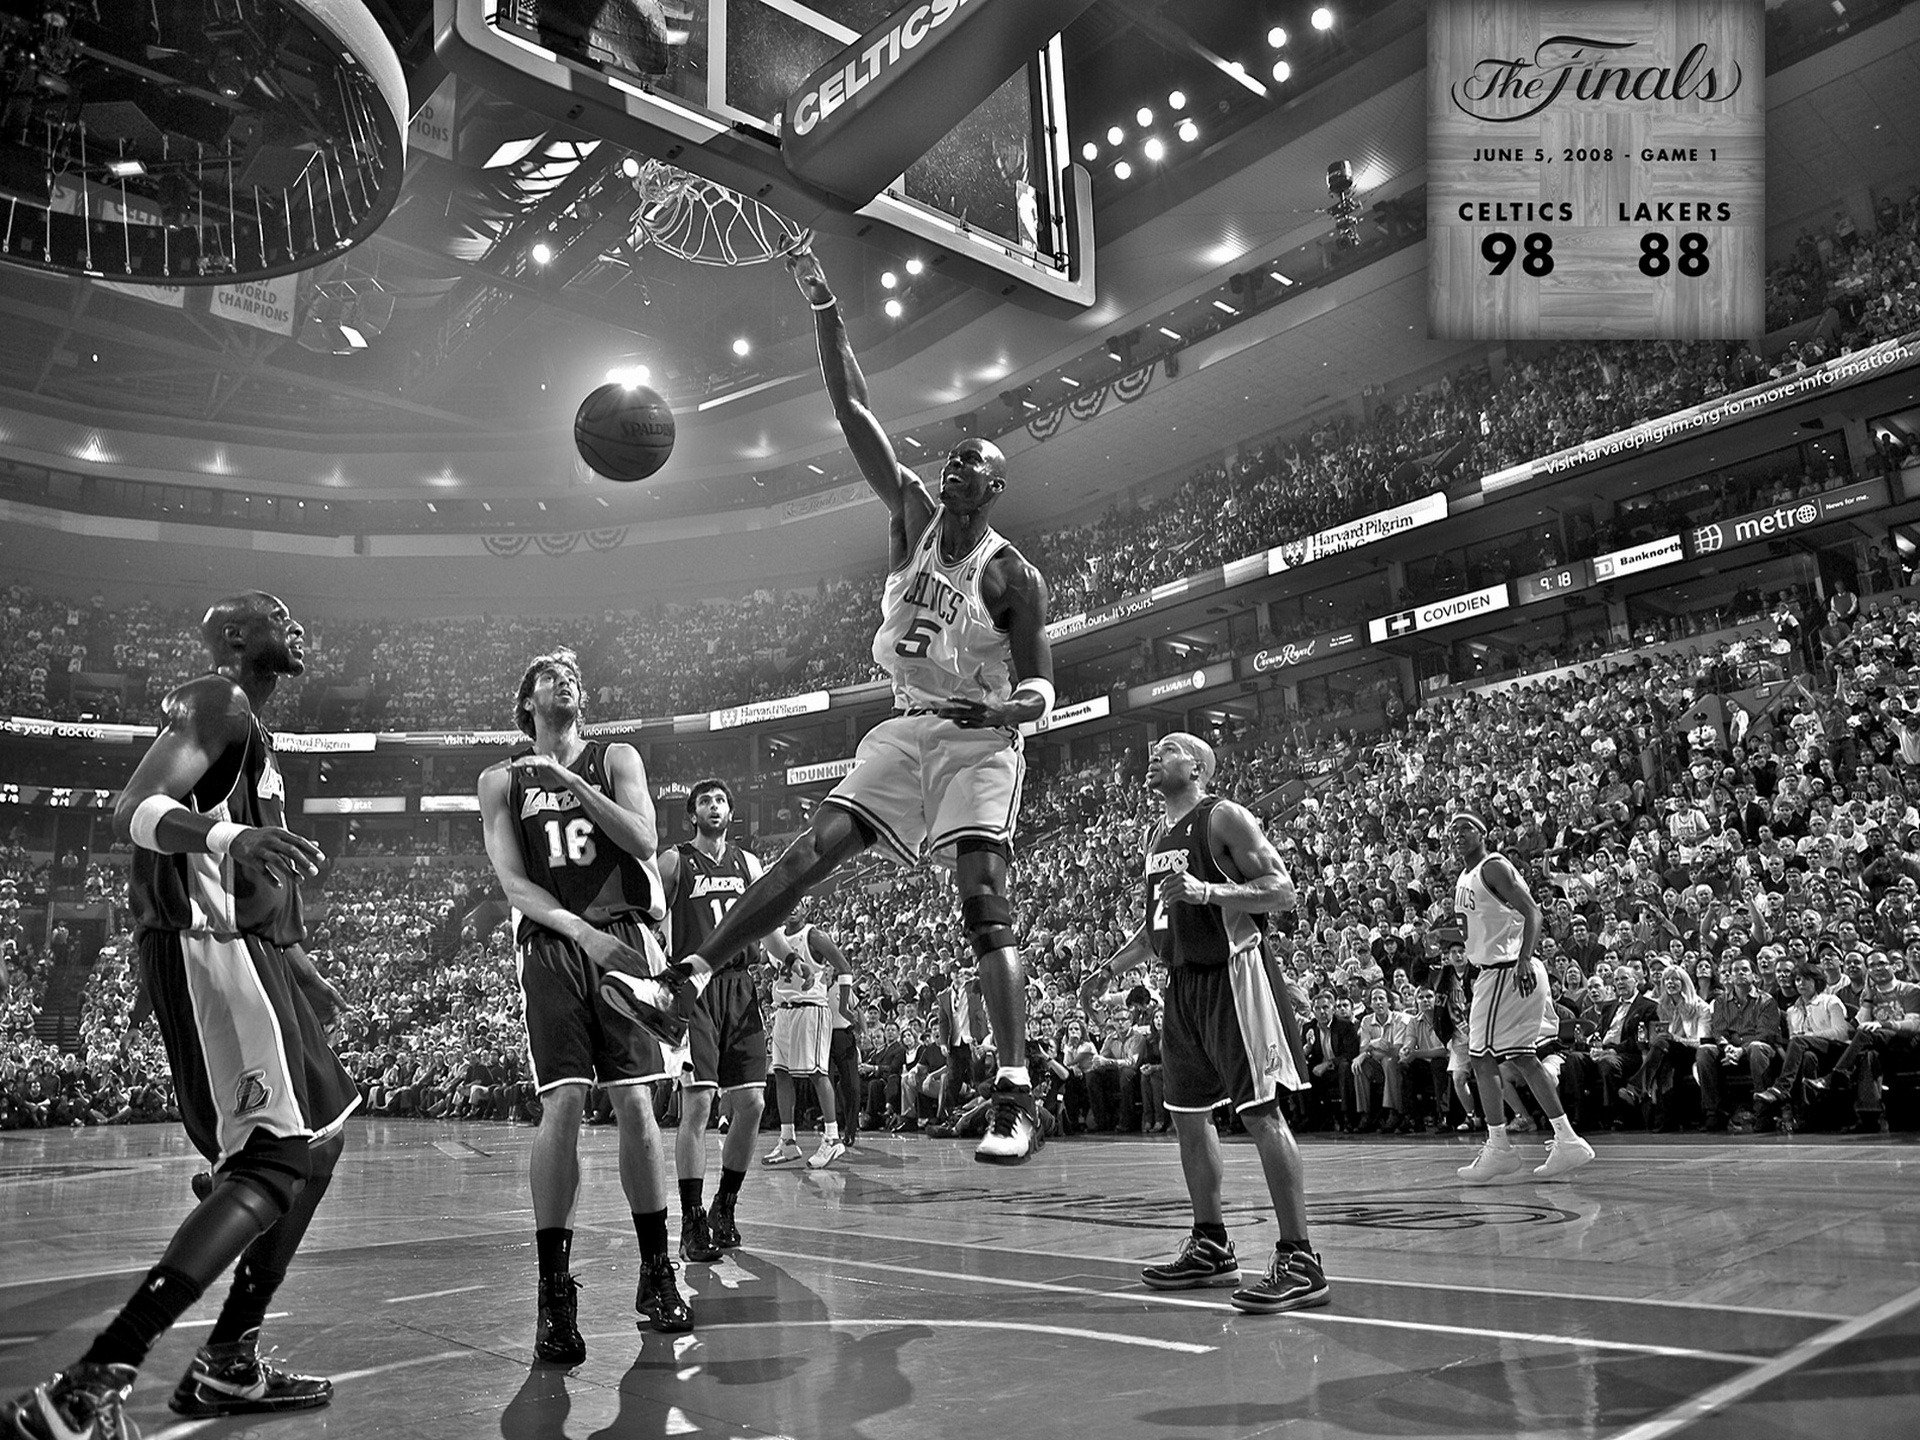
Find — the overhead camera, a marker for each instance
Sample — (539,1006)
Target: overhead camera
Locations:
(1345,208)
(1340,178)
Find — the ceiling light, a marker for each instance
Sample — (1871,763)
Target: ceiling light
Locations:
(1155,148)
(630,375)
(1323,19)
(126,169)
(1115,135)
(913,442)
(1282,279)
(742,347)
(1189,131)
(1070,382)
(433,507)
(1282,71)
(1177,100)
(1089,151)
(1170,334)
(1223,305)
(895,309)
(889,280)
(1144,116)
(816,469)
(914,267)
(630,167)
(542,252)
(1276,37)
(354,337)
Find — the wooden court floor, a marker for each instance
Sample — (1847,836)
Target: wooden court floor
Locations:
(1756,1289)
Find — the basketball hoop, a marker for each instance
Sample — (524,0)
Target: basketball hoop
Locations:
(704,222)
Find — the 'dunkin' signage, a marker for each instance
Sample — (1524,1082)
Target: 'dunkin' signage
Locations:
(1596,171)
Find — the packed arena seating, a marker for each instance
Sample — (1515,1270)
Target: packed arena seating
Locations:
(63,657)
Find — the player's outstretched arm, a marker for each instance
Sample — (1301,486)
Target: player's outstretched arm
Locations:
(205,719)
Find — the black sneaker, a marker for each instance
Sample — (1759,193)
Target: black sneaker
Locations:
(235,1380)
(1200,1262)
(1013,1127)
(82,1402)
(658,1300)
(1294,1281)
(657,1004)
(556,1333)
(720,1223)
(696,1239)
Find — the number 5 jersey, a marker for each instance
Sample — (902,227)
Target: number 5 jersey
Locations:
(936,639)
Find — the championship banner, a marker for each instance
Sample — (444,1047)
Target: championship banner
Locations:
(263,304)
(174,297)
(431,128)
(1712,415)
(1596,170)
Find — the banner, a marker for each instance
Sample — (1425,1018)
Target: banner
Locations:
(1066,716)
(1711,415)
(825,770)
(77,729)
(354,805)
(1436,613)
(289,743)
(174,297)
(431,128)
(1285,657)
(263,304)
(1189,683)
(1803,514)
(1366,530)
(449,804)
(1635,558)
(811,703)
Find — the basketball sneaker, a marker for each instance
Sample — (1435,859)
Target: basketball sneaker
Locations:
(1563,1158)
(726,1234)
(829,1151)
(1013,1126)
(655,1003)
(785,1153)
(1200,1262)
(235,1380)
(556,1333)
(1494,1166)
(83,1402)
(658,1301)
(1294,1281)
(696,1239)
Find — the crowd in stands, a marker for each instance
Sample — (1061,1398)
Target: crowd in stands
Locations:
(64,658)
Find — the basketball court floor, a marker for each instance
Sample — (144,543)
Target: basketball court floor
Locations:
(1754,1289)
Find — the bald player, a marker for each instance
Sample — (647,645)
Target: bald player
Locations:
(244,1014)
(1228,1032)
(963,635)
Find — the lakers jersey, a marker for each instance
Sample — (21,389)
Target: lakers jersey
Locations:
(220,895)
(1494,928)
(572,858)
(936,639)
(1198,936)
(706,890)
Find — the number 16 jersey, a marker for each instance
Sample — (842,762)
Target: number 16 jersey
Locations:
(936,639)
(570,857)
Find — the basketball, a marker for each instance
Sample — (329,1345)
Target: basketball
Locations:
(623,432)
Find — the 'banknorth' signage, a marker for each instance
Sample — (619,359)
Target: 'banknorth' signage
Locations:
(1635,558)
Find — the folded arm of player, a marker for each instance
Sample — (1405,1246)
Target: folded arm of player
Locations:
(1016,597)
(206,719)
(1241,847)
(534,901)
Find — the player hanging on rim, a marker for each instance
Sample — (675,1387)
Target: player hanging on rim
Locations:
(1227,1033)
(963,634)
(220,936)
(570,830)
(1509,998)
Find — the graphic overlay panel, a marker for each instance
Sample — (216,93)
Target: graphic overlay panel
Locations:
(1596,171)
(701,84)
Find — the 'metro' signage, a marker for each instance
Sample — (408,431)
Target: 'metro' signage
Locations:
(1786,518)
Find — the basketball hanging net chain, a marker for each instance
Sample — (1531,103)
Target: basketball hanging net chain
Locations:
(706,223)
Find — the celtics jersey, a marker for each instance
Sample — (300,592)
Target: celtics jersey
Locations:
(936,639)
(570,857)
(1494,928)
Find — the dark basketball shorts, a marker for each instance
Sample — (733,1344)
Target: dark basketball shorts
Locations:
(1221,1036)
(727,1034)
(573,1036)
(246,1048)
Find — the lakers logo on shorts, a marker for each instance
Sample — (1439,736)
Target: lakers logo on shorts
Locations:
(252,1094)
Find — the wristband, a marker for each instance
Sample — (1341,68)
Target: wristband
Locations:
(826,304)
(221,837)
(1041,686)
(147,817)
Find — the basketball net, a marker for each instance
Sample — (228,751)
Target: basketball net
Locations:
(705,222)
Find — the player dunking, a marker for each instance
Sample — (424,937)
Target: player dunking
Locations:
(962,633)
(726,1033)
(219,933)
(1213,877)
(570,830)
(1509,997)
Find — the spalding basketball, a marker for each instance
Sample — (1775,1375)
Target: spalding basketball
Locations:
(623,432)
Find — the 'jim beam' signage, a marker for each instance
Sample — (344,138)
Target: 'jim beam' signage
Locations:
(1596,170)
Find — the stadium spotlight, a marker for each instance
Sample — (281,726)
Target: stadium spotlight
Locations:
(1154,149)
(1144,116)
(1115,135)
(1323,18)
(1089,151)
(742,347)
(542,253)
(630,167)
(1189,131)
(895,309)
(914,267)
(1177,100)
(631,376)
(1282,72)
(1277,37)
(1123,171)
(1339,178)
(889,280)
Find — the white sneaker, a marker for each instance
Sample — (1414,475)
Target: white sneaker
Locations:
(829,1151)
(1563,1158)
(1494,1167)
(785,1153)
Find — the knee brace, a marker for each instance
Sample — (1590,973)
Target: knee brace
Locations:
(989,923)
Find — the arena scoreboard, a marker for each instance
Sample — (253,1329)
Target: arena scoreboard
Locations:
(1596,169)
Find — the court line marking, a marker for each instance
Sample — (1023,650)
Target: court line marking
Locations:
(209,1324)
(1153,1297)
(467,1354)
(1732,1305)
(1111,1337)
(1717,1398)
(432,1294)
